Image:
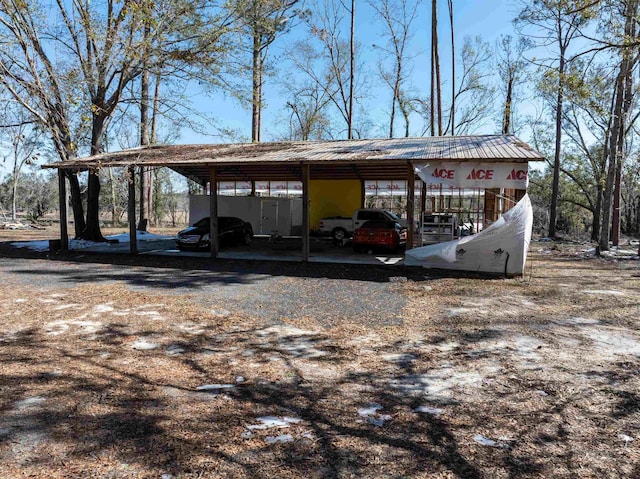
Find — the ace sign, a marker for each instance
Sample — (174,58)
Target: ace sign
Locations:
(475,174)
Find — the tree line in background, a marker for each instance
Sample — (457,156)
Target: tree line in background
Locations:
(79,78)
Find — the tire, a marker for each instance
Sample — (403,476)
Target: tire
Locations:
(357,249)
(246,239)
(339,234)
(398,249)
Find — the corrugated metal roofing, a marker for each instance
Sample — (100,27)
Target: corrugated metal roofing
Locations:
(357,158)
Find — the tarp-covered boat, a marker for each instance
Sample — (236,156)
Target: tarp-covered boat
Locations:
(500,248)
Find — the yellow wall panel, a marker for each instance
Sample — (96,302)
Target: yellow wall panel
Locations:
(333,198)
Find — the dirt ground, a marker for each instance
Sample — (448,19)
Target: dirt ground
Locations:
(473,378)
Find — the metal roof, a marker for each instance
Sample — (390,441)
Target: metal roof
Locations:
(364,159)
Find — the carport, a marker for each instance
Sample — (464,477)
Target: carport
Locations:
(361,160)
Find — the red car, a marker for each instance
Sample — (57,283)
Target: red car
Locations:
(377,234)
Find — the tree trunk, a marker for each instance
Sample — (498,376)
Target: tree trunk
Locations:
(14,180)
(396,94)
(615,218)
(256,100)
(260,75)
(392,116)
(145,203)
(623,92)
(152,176)
(143,222)
(506,118)
(156,108)
(613,161)
(432,98)
(436,59)
(14,191)
(92,231)
(153,140)
(626,107)
(638,219)
(352,53)
(79,223)
(405,114)
(555,186)
(595,227)
(453,70)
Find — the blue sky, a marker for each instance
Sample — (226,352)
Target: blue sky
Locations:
(487,19)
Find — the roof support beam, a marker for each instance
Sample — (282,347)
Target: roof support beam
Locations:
(131,211)
(411,196)
(213,211)
(185,172)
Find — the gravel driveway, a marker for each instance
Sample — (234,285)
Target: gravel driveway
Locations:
(269,290)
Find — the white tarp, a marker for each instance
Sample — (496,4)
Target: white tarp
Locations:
(500,248)
(475,174)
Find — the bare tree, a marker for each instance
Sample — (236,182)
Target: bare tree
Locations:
(82,56)
(618,133)
(398,16)
(556,23)
(586,124)
(308,105)
(473,98)
(263,21)
(24,143)
(31,79)
(324,58)
(512,68)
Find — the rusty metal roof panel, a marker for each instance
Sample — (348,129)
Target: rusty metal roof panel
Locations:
(424,149)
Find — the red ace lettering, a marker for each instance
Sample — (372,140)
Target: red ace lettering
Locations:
(479,174)
(443,173)
(517,175)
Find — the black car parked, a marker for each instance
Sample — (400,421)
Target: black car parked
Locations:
(231,230)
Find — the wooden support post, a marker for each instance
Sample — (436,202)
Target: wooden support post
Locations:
(411,197)
(213,211)
(131,212)
(423,210)
(305,212)
(62,192)
(363,194)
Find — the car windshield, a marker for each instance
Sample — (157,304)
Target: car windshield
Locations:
(394,216)
(204,222)
(378,225)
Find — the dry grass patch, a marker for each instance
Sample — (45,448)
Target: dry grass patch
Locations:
(534,377)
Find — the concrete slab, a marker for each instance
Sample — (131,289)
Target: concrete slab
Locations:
(287,249)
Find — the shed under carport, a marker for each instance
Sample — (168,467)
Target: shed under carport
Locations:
(362,160)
